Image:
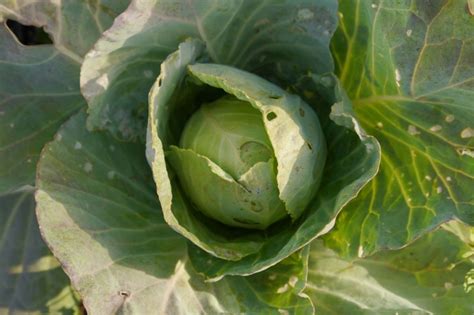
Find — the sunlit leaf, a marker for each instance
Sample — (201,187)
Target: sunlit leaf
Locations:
(31,279)
(100,215)
(424,278)
(408,68)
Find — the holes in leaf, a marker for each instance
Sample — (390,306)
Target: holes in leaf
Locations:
(275,97)
(309,146)
(29,35)
(271,116)
(124,293)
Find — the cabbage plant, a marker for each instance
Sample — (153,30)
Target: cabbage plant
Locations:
(236,157)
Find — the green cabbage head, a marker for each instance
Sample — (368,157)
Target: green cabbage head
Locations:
(227,164)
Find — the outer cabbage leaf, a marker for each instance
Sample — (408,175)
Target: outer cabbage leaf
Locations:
(99,213)
(408,68)
(73,25)
(39,89)
(424,278)
(39,85)
(31,279)
(118,73)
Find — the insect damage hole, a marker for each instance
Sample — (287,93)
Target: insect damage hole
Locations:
(29,35)
(271,116)
(124,293)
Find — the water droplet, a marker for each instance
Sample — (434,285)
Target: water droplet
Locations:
(12,125)
(373,6)
(448,285)
(380,125)
(448,178)
(409,31)
(111,175)
(428,177)
(439,189)
(272,277)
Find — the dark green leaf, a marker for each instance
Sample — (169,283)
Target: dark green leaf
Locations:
(409,70)
(424,278)
(118,73)
(39,85)
(39,89)
(31,279)
(74,26)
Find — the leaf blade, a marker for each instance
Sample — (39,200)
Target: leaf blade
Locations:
(411,84)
